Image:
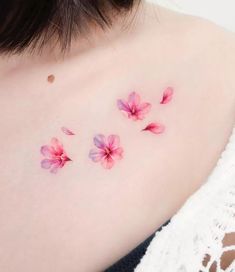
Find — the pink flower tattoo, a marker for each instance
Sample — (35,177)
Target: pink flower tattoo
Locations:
(55,156)
(133,108)
(167,95)
(108,150)
(155,128)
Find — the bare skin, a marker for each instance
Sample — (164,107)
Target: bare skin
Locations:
(85,217)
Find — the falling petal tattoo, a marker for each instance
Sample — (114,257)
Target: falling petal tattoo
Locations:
(167,95)
(155,128)
(67,131)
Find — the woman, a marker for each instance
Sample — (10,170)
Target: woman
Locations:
(113,114)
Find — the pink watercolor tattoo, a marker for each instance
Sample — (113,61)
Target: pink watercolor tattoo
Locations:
(133,108)
(167,95)
(155,128)
(55,156)
(108,150)
(67,131)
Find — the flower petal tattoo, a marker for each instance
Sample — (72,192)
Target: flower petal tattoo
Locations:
(55,156)
(167,95)
(107,150)
(67,131)
(155,128)
(133,108)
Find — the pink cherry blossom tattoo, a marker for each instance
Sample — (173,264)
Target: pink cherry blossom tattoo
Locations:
(108,150)
(155,128)
(167,95)
(55,156)
(133,108)
(67,131)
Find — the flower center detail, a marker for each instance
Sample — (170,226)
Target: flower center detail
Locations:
(108,151)
(133,110)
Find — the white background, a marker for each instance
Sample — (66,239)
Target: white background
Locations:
(221,12)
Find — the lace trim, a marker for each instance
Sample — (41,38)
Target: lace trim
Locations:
(201,235)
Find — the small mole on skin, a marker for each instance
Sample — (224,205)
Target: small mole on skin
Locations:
(51,78)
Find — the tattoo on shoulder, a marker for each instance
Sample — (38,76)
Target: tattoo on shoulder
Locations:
(133,108)
(107,150)
(55,156)
(67,131)
(167,95)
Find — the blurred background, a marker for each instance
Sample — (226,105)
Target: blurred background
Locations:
(221,12)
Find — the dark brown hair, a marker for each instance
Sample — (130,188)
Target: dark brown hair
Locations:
(25,23)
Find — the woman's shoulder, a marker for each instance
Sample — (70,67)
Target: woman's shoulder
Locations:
(202,50)
(199,36)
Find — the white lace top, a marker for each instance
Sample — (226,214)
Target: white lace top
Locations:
(201,235)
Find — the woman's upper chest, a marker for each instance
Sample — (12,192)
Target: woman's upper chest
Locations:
(153,171)
(84,201)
